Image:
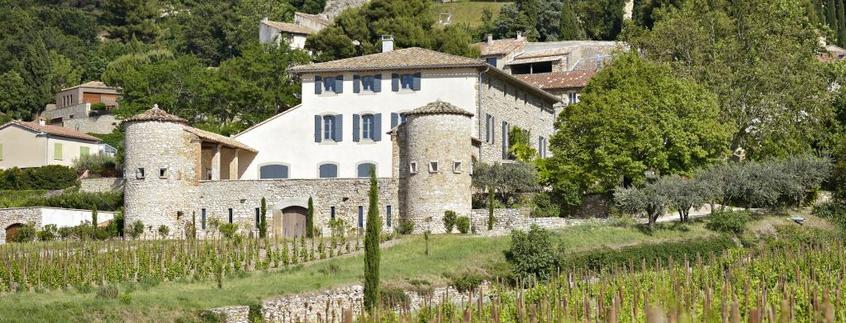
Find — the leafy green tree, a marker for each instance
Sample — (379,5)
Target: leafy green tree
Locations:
(634,117)
(372,258)
(358,31)
(519,145)
(131,19)
(15,97)
(310,219)
(772,90)
(569,27)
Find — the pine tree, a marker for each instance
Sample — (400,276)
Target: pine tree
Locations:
(263,219)
(371,247)
(310,219)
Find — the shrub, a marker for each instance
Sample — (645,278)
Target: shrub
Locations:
(228,230)
(543,206)
(834,212)
(449,221)
(50,177)
(25,233)
(463,224)
(531,254)
(163,231)
(636,256)
(48,233)
(507,179)
(393,297)
(729,221)
(136,230)
(405,226)
(97,165)
(108,292)
(465,281)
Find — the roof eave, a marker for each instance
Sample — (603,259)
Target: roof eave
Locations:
(543,94)
(305,69)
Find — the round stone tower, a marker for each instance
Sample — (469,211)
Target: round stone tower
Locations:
(434,164)
(161,167)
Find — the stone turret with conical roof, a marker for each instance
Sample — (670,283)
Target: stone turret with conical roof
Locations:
(434,164)
(161,167)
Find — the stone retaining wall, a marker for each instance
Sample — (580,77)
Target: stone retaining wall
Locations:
(331,303)
(102,184)
(232,314)
(519,219)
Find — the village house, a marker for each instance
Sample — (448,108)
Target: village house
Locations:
(562,68)
(295,34)
(416,117)
(85,108)
(35,144)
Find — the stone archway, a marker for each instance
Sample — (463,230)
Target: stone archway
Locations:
(12,229)
(290,222)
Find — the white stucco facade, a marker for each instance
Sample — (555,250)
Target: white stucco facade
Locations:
(288,139)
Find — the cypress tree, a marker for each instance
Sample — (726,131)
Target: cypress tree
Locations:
(94,217)
(263,219)
(569,27)
(840,27)
(371,247)
(310,219)
(490,208)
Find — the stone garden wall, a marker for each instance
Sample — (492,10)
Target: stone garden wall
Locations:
(101,184)
(231,314)
(345,195)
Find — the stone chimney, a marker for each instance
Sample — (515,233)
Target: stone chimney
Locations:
(519,35)
(387,43)
(490,39)
(41,122)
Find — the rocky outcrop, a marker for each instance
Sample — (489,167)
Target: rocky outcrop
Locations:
(334,7)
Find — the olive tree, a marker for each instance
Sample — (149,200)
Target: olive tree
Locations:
(684,194)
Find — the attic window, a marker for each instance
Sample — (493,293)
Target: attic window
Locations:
(139,173)
(162,172)
(433,166)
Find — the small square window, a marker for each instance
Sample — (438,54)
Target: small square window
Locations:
(433,166)
(139,173)
(162,172)
(412,167)
(456,166)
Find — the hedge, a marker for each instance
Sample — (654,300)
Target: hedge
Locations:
(634,255)
(51,177)
(105,201)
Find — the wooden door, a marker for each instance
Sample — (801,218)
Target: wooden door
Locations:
(293,221)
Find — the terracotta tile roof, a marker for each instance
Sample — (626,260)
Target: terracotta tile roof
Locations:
(155,114)
(501,47)
(558,80)
(221,139)
(52,130)
(91,84)
(438,107)
(407,58)
(289,27)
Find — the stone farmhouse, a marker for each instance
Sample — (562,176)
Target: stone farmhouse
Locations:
(295,34)
(419,118)
(562,68)
(35,144)
(85,108)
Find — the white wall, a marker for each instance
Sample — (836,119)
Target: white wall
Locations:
(289,137)
(70,150)
(71,217)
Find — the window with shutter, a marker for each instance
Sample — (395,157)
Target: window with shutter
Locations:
(318,85)
(57,151)
(328,127)
(394,120)
(363,169)
(395,82)
(84,151)
(356,84)
(356,128)
(339,128)
(367,126)
(377,127)
(318,133)
(339,84)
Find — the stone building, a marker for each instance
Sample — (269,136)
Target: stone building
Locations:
(85,108)
(442,113)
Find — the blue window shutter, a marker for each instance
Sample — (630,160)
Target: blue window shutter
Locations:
(339,128)
(416,85)
(377,127)
(394,119)
(395,80)
(339,84)
(356,128)
(377,83)
(318,134)
(356,84)
(318,85)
